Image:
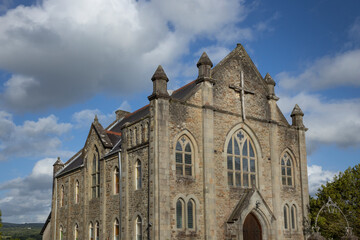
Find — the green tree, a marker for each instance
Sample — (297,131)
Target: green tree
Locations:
(344,190)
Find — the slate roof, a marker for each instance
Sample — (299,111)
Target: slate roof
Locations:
(74,163)
(132,117)
(185,92)
(45,224)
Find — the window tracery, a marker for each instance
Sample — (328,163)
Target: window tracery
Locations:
(241,160)
(184,157)
(287,170)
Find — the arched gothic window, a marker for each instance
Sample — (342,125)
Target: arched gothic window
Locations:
(91,231)
(184,157)
(286,217)
(95,176)
(293,217)
(116,229)
(190,214)
(61,233)
(76,232)
(135,136)
(138,183)
(116,181)
(62,197)
(180,213)
(287,171)
(241,160)
(138,228)
(185,214)
(130,138)
(97,231)
(77,191)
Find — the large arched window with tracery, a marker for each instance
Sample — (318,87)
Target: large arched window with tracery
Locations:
(287,171)
(241,160)
(184,157)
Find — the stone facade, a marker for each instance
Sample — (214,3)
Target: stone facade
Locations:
(241,158)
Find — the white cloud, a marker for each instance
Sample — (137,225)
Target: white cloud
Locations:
(317,177)
(215,53)
(32,138)
(28,199)
(326,72)
(125,106)
(329,122)
(85,117)
(354,31)
(61,51)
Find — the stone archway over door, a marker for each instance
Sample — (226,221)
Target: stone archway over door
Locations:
(252,228)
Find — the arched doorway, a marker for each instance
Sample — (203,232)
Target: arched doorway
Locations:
(252,228)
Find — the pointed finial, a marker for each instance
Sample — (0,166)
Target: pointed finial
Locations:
(159,74)
(268,79)
(204,60)
(296,111)
(96,118)
(58,162)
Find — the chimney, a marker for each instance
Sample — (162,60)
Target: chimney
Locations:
(120,114)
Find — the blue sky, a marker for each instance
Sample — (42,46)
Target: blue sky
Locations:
(63,61)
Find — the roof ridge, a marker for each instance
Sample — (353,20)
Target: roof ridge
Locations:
(115,133)
(130,114)
(74,156)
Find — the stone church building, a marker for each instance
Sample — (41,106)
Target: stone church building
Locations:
(215,159)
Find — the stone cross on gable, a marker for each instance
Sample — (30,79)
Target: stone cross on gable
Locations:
(242,92)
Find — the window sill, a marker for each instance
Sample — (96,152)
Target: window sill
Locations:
(185,179)
(288,188)
(184,233)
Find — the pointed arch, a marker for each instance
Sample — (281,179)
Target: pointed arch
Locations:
(242,152)
(97,231)
(180,213)
(61,232)
(76,231)
(185,154)
(116,229)
(77,191)
(116,180)
(62,196)
(91,231)
(286,217)
(293,217)
(288,167)
(138,228)
(138,175)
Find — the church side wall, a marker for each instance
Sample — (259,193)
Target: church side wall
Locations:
(135,201)
(112,200)
(185,120)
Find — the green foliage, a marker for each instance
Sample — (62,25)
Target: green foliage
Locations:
(344,190)
(27,231)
